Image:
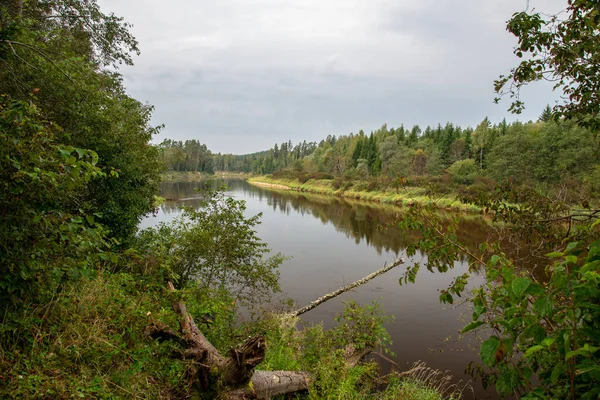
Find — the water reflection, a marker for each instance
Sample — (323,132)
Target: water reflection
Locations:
(360,221)
(334,241)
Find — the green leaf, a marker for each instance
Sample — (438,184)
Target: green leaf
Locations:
(488,350)
(508,382)
(557,371)
(571,259)
(532,350)
(472,325)
(535,289)
(591,266)
(477,311)
(588,369)
(519,286)
(571,246)
(585,350)
(555,254)
(543,306)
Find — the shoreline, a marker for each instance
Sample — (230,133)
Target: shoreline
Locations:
(269,185)
(403,197)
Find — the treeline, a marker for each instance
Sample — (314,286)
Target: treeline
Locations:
(542,152)
(190,155)
(193,156)
(285,155)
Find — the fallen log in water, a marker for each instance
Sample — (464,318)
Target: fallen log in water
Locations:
(346,288)
(235,376)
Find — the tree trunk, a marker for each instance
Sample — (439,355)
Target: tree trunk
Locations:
(271,383)
(234,375)
(346,288)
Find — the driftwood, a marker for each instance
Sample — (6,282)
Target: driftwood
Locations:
(346,288)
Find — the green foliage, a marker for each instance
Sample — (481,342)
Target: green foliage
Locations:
(543,152)
(560,48)
(547,329)
(59,50)
(216,246)
(286,155)
(464,171)
(48,231)
(322,352)
(362,326)
(540,329)
(546,115)
(190,155)
(89,342)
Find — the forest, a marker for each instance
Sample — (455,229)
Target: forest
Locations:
(93,307)
(546,153)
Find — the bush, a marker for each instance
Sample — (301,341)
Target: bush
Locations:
(48,234)
(373,185)
(216,246)
(464,171)
(286,174)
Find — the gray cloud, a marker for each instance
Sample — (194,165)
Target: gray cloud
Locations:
(242,74)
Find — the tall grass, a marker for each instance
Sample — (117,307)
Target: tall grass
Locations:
(359,190)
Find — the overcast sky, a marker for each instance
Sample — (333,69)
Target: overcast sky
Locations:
(240,75)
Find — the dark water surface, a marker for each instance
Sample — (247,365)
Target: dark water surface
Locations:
(334,242)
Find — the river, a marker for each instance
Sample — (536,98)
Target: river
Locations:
(332,242)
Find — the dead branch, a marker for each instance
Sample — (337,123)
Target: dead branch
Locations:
(235,376)
(346,288)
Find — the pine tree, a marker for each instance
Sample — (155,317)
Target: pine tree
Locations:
(546,115)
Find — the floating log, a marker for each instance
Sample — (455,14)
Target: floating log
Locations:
(346,288)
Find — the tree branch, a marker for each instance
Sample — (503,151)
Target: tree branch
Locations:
(41,53)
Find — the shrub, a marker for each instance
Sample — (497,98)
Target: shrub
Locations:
(337,183)
(216,246)
(464,171)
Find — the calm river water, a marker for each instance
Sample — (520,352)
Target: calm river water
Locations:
(334,242)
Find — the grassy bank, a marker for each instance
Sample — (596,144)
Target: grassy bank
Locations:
(91,341)
(232,175)
(190,176)
(361,190)
(184,176)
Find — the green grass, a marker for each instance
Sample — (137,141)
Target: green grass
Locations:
(89,342)
(359,190)
(184,176)
(411,389)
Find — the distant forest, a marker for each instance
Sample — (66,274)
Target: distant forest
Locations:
(546,151)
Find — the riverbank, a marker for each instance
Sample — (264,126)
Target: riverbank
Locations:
(192,176)
(184,176)
(359,190)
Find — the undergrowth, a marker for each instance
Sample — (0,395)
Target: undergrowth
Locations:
(89,342)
